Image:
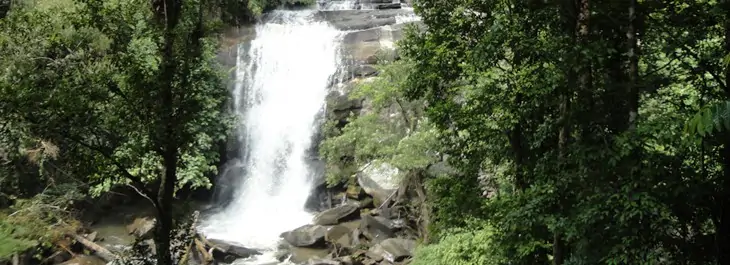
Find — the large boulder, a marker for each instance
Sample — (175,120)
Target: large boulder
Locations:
(371,45)
(324,262)
(225,251)
(341,236)
(379,180)
(393,250)
(142,227)
(305,236)
(301,255)
(336,215)
(375,230)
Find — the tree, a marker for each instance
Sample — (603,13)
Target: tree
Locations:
(128,89)
(580,100)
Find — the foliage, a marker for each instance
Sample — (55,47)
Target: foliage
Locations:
(100,94)
(392,130)
(42,220)
(75,63)
(713,118)
(538,102)
(462,246)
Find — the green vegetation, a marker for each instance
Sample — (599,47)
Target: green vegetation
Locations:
(531,132)
(580,132)
(99,95)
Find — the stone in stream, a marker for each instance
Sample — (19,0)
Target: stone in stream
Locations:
(361,19)
(336,215)
(142,227)
(388,6)
(305,236)
(225,251)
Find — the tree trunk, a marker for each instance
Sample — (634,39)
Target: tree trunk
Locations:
(168,12)
(585,78)
(723,231)
(100,251)
(632,86)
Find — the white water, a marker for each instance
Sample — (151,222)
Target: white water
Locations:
(281,87)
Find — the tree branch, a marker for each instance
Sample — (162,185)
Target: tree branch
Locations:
(142,194)
(121,168)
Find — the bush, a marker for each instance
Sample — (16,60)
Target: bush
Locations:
(470,246)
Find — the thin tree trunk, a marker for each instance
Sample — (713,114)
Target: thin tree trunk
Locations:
(633,91)
(585,78)
(723,231)
(101,252)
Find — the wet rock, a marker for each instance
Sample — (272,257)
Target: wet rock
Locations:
(376,1)
(84,260)
(379,180)
(361,19)
(305,236)
(225,251)
(282,254)
(142,227)
(393,249)
(336,215)
(375,230)
(388,6)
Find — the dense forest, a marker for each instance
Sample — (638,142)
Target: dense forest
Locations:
(597,130)
(537,132)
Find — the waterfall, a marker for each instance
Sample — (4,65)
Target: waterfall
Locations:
(282,82)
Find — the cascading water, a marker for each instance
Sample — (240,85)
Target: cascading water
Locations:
(281,88)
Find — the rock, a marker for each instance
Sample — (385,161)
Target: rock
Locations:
(84,260)
(224,251)
(361,19)
(282,254)
(388,6)
(366,203)
(441,169)
(305,236)
(340,236)
(355,192)
(142,227)
(346,260)
(363,70)
(336,215)
(393,249)
(374,229)
(301,255)
(324,262)
(376,1)
(379,180)
(92,236)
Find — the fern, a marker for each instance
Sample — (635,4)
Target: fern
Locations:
(711,119)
